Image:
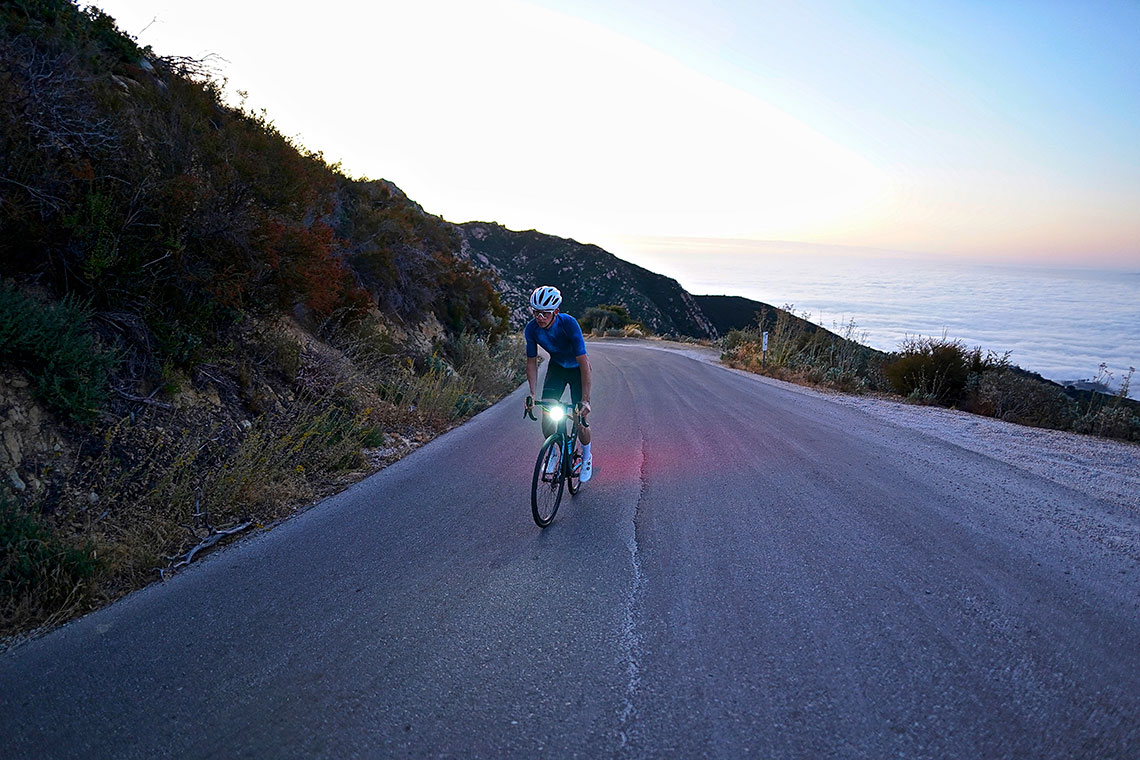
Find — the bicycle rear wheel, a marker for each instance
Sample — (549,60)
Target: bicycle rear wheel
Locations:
(546,487)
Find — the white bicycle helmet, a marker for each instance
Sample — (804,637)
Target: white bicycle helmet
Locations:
(545,298)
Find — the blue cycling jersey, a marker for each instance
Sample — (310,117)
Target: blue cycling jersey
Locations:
(562,340)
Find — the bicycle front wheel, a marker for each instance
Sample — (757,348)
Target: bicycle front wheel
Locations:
(549,480)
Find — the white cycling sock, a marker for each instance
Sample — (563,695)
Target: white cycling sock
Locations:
(585,451)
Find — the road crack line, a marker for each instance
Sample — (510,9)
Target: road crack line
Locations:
(630,639)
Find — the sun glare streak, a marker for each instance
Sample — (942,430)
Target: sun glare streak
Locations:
(627,137)
(534,118)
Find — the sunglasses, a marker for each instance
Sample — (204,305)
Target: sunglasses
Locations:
(544,313)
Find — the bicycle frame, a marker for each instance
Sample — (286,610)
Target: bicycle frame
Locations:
(546,488)
(566,419)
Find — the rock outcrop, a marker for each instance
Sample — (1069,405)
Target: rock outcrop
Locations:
(26,440)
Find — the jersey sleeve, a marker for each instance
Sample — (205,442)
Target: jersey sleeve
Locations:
(531,343)
(574,333)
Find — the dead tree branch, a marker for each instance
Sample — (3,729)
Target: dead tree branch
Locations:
(182,560)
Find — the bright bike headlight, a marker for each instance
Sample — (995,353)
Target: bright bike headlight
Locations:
(556,413)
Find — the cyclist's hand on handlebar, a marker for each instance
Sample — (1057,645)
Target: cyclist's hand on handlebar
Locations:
(528,411)
(583,413)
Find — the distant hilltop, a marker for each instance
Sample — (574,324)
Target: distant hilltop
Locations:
(589,276)
(1087,385)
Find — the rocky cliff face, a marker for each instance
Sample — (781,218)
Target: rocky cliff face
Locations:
(586,274)
(29,442)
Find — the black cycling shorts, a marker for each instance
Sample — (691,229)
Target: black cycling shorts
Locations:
(557,378)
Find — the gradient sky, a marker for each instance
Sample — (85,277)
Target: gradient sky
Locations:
(1000,129)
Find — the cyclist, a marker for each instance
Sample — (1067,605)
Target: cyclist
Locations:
(561,336)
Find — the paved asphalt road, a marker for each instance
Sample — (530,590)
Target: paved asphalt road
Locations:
(754,571)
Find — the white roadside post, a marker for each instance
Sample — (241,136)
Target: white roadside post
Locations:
(764,351)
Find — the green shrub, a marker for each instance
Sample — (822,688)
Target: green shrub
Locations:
(470,403)
(1110,422)
(603,317)
(66,365)
(276,349)
(1013,397)
(35,563)
(361,337)
(373,437)
(936,369)
(86,25)
(735,339)
(1110,416)
(491,370)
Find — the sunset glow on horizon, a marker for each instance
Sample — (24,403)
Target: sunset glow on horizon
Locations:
(983,131)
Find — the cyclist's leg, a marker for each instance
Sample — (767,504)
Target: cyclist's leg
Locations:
(586,471)
(574,380)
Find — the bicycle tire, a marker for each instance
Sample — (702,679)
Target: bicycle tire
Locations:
(546,490)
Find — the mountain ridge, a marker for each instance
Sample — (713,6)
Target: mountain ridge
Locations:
(588,276)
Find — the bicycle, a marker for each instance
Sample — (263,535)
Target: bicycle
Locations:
(559,460)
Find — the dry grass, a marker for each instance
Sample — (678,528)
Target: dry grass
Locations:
(930,371)
(148,488)
(834,359)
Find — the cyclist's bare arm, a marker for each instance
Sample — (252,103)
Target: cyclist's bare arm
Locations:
(587,381)
(532,375)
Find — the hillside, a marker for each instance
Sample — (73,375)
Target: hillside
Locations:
(203,326)
(728,313)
